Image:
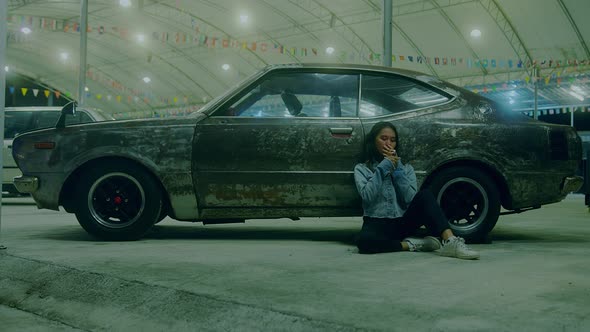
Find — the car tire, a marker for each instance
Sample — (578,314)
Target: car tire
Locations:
(469,199)
(117,201)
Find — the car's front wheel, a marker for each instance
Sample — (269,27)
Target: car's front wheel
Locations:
(117,201)
(469,199)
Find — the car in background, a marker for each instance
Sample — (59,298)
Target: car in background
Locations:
(19,120)
(284,143)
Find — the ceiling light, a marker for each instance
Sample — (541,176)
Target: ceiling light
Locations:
(475,33)
(330,50)
(511,101)
(6,68)
(577,89)
(25,30)
(125,3)
(140,38)
(147,79)
(64,56)
(225,66)
(577,96)
(573,94)
(243,18)
(86,89)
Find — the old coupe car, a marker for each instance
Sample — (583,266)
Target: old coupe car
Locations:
(284,143)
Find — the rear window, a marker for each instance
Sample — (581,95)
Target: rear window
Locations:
(384,95)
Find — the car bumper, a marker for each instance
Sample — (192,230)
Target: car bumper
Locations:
(571,183)
(26,184)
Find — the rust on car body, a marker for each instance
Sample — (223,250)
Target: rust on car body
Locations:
(284,143)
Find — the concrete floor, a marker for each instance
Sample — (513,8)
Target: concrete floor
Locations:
(281,275)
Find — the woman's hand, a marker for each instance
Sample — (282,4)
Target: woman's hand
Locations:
(391,154)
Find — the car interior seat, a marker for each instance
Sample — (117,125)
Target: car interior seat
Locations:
(292,103)
(335,110)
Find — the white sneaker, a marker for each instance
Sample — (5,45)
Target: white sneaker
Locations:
(429,243)
(455,247)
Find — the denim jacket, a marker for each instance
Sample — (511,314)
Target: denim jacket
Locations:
(388,190)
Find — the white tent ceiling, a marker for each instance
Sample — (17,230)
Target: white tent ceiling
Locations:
(186,42)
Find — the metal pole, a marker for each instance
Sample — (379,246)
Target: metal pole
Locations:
(3,11)
(572,110)
(536,84)
(387,27)
(83,40)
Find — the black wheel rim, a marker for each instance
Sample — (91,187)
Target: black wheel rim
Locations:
(464,202)
(116,200)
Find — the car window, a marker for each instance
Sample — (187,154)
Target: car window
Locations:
(16,123)
(382,95)
(299,95)
(79,117)
(46,119)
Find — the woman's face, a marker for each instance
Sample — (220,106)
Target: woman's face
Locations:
(385,139)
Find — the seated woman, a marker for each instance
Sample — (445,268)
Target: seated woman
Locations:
(393,210)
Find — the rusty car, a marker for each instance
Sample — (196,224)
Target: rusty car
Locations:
(283,144)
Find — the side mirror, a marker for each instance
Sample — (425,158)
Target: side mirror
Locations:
(68,109)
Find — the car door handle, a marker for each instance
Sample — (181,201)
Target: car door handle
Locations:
(341,132)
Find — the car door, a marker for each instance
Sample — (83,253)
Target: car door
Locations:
(290,141)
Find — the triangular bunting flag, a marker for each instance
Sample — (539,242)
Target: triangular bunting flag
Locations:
(11,89)
(46,92)
(57,94)
(35,92)
(24,90)
(118,99)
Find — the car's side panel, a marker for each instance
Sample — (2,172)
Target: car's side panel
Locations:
(517,151)
(165,149)
(275,163)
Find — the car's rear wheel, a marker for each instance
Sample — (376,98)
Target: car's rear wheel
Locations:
(117,201)
(469,199)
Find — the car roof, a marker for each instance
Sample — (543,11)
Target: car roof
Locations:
(345,66)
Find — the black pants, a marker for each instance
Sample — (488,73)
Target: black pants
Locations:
(385,234)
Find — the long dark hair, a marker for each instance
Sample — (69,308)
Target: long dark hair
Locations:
(370,152)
